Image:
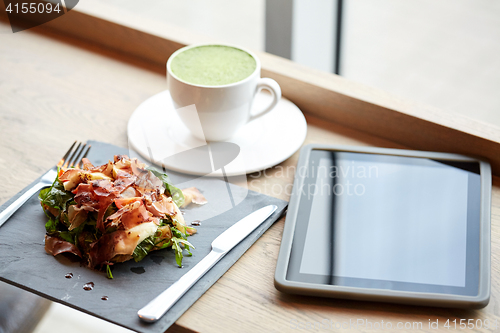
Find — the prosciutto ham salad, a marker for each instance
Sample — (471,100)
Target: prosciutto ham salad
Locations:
(116,212)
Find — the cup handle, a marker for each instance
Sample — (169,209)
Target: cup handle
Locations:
(274,88)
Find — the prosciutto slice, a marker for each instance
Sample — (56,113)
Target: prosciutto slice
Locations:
(192,194)
(55,246)
(96,196)
(76,216)
(130,216)
(119,243)
(162,207)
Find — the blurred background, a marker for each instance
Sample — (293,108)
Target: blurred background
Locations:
(443,53)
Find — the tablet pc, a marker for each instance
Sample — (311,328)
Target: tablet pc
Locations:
(388,225)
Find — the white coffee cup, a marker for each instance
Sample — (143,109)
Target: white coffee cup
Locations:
(223,109)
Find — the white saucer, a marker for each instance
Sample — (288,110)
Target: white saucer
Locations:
(156,132)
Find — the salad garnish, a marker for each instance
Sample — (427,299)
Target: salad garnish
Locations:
(116,212)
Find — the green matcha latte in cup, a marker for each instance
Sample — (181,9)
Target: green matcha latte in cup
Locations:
(213,65)
(221,81)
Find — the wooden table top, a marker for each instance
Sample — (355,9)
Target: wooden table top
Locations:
(55,90)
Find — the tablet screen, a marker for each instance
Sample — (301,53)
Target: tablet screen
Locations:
(390,222)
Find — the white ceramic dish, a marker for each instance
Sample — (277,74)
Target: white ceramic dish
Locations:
(157,134)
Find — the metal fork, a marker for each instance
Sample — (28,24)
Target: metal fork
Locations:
(69,159)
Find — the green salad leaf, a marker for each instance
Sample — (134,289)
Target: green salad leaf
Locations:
(68,236)
(178,251)
(56,196)
(143,248)
(108,272)
(51,225)
(179,238)
(176,245)
(173,191)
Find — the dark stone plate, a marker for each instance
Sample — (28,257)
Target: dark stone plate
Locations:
(25,264)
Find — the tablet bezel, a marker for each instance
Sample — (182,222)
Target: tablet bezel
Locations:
(387,295)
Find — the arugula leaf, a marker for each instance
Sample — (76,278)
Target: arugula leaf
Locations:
(176,245)
(165,245)
(177,233)
(170,189)
(51,225)
(187,246)
(182,239)
(68,236)
(142,249)
(178,251)
(44,192)
(179,238)
(109,275)
(56,196)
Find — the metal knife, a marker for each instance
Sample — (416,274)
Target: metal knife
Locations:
(220,246)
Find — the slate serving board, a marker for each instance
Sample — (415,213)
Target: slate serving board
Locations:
(25,264)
